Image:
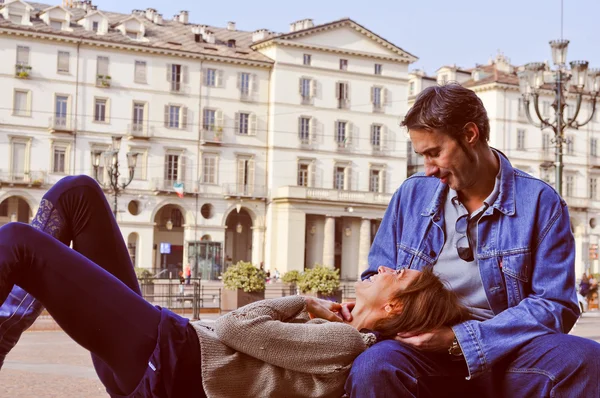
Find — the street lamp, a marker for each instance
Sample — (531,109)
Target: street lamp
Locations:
(111,162)
(531,80)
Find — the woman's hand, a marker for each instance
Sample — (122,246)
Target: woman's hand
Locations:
(436,341)
(324,309)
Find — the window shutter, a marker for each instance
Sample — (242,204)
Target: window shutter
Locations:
(313,88)
(336,126)
(347,178)
(384,92)
(300,85)
(254,83)
(299,126)
(181,172)
(347,92)
(250,176)
(240,174)
(338,90)
(312,174)
(184,117)
(349,134)
(204,76)
(166,115)
(372,95)
(184,74)
(384,137)
(253,124)
(22,55)
(236,127)
(382,181)
(219,119)
(239,80)
(63,61)
(169,73)
(313,130)
(219,78)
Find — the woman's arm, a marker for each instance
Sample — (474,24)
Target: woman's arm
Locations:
(262,330)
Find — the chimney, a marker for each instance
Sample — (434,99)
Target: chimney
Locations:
(158,19)
(209,37)
(197,31)
(230,25)
(307,23)
(259,35)
(150,13)
(184,16)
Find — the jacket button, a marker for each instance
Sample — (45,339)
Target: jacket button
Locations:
(432,254)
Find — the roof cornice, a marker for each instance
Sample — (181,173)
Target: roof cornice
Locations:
(133,47)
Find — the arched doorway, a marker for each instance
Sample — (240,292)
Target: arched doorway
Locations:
(238,239)
(168,241)
(13,209)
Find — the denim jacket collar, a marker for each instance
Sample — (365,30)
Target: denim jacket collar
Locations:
(505,202)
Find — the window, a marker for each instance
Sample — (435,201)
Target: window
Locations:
(339,177)
(95,26)
(22,55)
(139,74)
(58,164)
(56,25)
(374,180)
(211,78)
(245,176)
(593,188)
(304,129)
(594,147)
(171,167)
(378,69)
(307,59)
(303,174)
(4,208)
(131,35)
(60,111)
(173,116)
(570,185)
(63,62)
(100,111)
(16,18)
(343,64)
(137,121)
(546,143)
(376,136)
(306,90)
(209,120)
(21,103)
(176,75)
(244,83)
(571,146)
(377,98)
(520,140)
(342,95)
(19,152)
(102,66)
(341,134)
(139,173)
(209,168)
(243,123)
(411,88)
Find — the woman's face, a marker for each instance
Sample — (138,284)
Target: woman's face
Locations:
(377,290)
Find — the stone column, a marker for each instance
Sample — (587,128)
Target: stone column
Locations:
(329,242)
(258,245)
(364,245)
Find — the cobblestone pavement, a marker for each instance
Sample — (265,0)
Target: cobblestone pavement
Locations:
(50,364)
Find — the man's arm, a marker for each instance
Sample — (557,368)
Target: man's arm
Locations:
(551,307)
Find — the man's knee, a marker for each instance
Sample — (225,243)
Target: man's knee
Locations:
(80,180)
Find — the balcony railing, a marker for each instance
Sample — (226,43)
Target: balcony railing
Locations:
(595,161)
(163,185)
(22,71)
(211,135)
(378,108)
(334,195)
(577,202)
(179,87)
(60,124)
(31,178)
(254,191)
(139,130)
(103,81)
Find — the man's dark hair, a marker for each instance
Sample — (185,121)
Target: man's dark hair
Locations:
(448,109)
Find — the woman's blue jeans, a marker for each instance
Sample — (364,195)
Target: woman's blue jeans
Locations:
(92,291)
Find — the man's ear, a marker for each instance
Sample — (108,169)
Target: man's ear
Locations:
(471,133)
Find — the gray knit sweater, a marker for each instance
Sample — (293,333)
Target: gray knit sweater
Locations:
(271,349)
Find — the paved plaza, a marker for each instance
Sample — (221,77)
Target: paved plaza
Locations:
(50,364)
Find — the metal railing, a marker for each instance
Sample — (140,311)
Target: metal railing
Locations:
(255,191)
(31,178)
(60,123)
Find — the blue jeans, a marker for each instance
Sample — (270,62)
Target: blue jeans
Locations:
(553,365)
(92,291)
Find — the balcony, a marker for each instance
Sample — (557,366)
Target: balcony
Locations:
(241,190)
(140,131)
(594,161)
(211,135)
(178,87)
(307,100)
(343,104)
(378,108)
(334,195)
(103,81)
(344,146)
(161,185)
(575,202)
(22,71)
(60,124)
(28,179)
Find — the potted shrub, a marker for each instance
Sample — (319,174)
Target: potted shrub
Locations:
(244,284)
(291,278)
(146,281)
(324,282)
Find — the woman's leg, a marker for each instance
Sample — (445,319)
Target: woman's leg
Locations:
(92,306)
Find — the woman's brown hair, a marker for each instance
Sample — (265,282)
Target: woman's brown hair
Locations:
(425,305)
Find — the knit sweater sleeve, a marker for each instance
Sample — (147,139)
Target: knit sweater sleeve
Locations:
(263,330)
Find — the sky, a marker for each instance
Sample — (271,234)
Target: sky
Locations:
(461,32)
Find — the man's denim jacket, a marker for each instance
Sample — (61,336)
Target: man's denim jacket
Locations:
(525,254)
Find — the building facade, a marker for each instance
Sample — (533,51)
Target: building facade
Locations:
(278,149)
(531,149)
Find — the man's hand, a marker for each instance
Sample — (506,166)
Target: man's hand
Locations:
(436,341)
(324,309)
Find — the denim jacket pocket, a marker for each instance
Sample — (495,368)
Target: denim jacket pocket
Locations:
(411,258)
(517,273)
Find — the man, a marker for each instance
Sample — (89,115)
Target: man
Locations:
(502,241)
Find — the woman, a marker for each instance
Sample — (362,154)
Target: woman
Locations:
(269,348)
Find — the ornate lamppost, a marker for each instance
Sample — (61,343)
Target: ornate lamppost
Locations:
(111,163)
(531,79)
